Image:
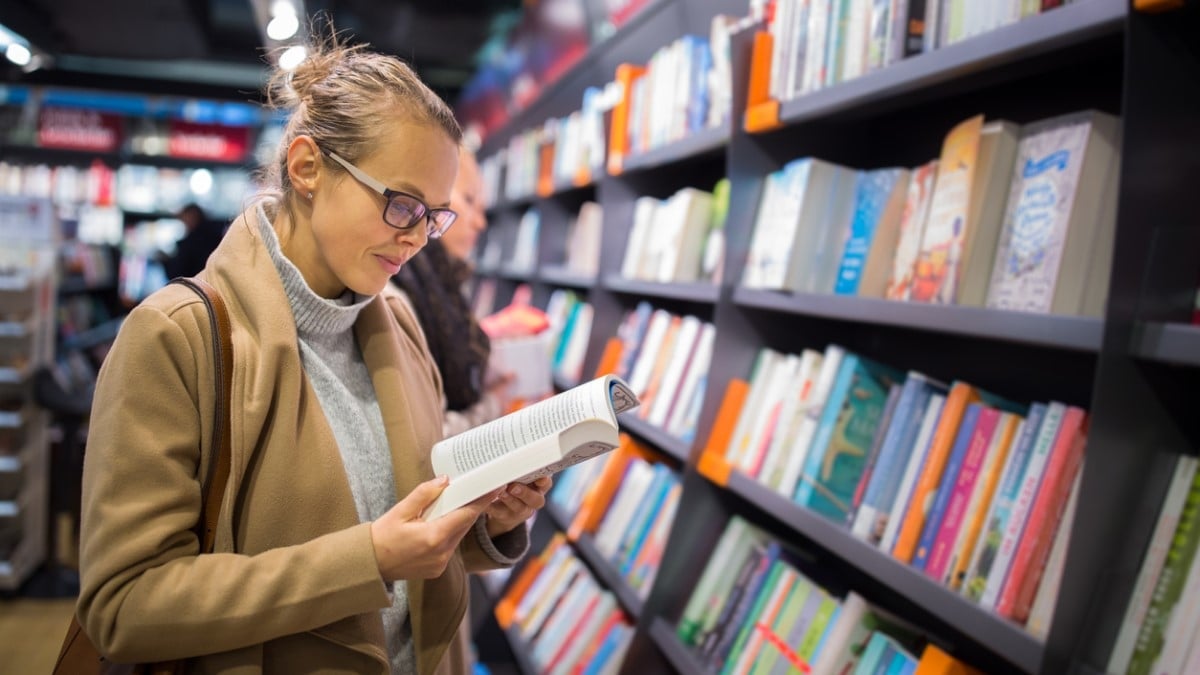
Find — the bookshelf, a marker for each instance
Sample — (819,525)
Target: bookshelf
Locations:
(1135,368)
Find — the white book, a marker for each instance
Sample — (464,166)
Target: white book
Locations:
(552,582)
(668,387)
(588,633)
(916,460)
(639,373)
(854,45)
(736,536)
(780,380)
(553,599)
(643,220)
(683,237)
(564,616)
(766,263)
(1025,497)
(764,365)
(694,376)
(1042,612)
(790,417)
(989,191)
(536,441)
(818,38)
(831,362)
(823,252)
(528,360)
(633,488)
(1057,221)
(1181,626)
(1152,563)
(837,638)
(571,366)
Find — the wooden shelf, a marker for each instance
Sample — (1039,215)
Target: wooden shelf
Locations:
(673,447)
(1034,36)
(1075,333)
(700,293)
(699,144)
(1171,343)
(1004,638)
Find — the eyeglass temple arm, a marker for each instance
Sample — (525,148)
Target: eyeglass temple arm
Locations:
(359,175)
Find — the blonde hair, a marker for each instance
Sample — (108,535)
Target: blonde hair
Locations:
(338,95)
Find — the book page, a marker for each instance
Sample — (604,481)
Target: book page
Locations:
(599,399)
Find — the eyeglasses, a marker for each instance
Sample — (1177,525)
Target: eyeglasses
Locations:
(403,211)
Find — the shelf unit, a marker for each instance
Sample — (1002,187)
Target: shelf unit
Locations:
(29,229)
(1135,369)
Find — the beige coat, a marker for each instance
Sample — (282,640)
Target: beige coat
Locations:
(302,593)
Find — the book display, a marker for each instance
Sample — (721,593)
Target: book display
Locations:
(915,394)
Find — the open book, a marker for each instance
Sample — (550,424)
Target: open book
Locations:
(537,441)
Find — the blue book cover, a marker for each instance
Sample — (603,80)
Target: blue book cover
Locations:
(871,195)
(838,453)
(933,521)
(607,649)
(643,518)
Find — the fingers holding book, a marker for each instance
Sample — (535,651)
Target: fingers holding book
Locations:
(407,547)
(517,502)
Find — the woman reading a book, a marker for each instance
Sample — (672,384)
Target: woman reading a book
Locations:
(321,562)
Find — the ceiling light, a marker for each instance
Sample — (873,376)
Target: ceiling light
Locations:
(291,57)
(201,182)
(18,54)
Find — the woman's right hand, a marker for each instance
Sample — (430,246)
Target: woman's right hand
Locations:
(408,548)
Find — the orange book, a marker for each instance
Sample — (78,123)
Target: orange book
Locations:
(545,181)
(762,111)
(712,459)
(1045,516)
(937,662)
(610,358)
(961,394)
(507,607)
(987,488)
(595,503)
(618,137)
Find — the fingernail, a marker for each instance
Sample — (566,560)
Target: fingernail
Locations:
(516,489)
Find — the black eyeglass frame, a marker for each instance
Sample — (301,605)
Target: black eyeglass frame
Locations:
(433,227)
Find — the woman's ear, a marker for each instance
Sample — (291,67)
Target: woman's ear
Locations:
(304,165)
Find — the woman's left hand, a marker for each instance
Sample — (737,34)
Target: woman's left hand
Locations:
(515,505)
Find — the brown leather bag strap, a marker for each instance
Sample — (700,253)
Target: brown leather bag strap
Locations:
(218,465)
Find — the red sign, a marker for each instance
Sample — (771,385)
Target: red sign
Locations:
(208,141)
(79,129)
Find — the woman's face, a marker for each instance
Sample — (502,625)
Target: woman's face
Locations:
(467,201)
(352,247)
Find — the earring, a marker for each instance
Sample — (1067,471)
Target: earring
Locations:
(310,195)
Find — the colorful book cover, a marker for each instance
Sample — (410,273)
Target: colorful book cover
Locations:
(996,521)
(912,227)
(962,491)
(946,485)
(872,193)
(848,423)
(936,275)
(1034,235)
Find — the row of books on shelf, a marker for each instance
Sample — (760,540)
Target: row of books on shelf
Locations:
(760,608)
(974,490)
(665,358)
(1007,217)
(685,87)
(637,495)
(567,621)
(820,43)
(678,239)
(221,192)
(571,320)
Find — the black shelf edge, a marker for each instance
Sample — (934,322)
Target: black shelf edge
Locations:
(525,276)
(986,628)
(1041,34)
(698,292)
(680,657)
(674,447)
(1173,343)
(561,276)
(78,285)
(608,576)
(521,651)
(1078,333)
(697,144)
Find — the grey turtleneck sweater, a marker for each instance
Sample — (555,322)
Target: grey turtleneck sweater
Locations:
(334,365)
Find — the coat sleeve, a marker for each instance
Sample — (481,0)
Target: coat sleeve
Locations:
(146,594)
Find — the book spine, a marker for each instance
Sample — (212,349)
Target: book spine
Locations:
(946,486)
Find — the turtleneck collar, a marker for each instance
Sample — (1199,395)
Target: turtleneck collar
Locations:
(314,315)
